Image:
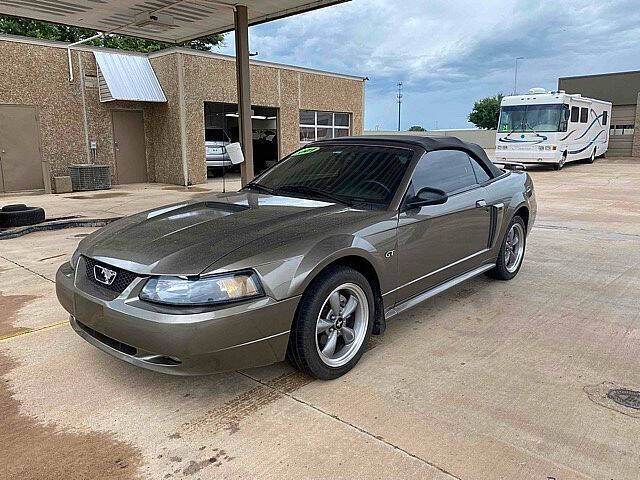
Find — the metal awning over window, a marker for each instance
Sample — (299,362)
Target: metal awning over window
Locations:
(127,77)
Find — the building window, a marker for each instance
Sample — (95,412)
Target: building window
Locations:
(322,125)
(605,115)
(575,113)
(584,115)
(621,129)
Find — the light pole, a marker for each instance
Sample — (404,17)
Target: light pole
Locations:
(399,102)
(515,77)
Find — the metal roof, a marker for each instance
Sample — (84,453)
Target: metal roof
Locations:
(176,21)
(127,77)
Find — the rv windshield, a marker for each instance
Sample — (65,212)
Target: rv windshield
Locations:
(533,118)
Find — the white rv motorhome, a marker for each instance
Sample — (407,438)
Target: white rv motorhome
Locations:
(551,128)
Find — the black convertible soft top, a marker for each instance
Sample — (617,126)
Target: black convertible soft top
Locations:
(429,144)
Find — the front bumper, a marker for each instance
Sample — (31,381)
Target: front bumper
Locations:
(218,160)
(527,156)
(242,335)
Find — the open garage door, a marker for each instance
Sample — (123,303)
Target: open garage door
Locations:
(222,127)
(621,130)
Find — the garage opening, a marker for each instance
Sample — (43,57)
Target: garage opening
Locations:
(222,127)
(621,130)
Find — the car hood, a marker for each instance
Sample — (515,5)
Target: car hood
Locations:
(185,238)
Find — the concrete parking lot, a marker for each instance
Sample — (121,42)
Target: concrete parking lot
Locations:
(489,380)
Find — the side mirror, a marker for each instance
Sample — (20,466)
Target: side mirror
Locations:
(235,153)
(427,196)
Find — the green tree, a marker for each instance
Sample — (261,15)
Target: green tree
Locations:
(417,128)
(62,33)
(486,112)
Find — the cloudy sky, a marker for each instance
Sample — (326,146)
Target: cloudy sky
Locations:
(450,53)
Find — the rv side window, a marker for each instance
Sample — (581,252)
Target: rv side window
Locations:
(604,117)
(584,115)
(575,113)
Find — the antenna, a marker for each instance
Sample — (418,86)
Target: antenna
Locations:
(399,102)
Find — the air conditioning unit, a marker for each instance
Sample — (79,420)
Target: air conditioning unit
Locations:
(154,21)
(537,91)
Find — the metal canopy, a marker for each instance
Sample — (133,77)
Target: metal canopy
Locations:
(127,77)
(173,21)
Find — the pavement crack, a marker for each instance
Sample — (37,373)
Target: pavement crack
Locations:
(620,235)
(351,425)
(27,269)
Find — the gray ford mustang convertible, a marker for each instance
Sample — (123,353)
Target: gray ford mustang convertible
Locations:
(305,262)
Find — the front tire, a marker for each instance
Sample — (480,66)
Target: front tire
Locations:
(326,344)
(558,166)
(512,251)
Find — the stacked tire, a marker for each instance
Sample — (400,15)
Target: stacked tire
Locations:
(19,215)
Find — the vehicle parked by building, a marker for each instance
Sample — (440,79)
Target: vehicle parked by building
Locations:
(216,155)
(551,128)
(307,260)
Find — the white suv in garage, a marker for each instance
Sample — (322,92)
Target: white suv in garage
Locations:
(216,154)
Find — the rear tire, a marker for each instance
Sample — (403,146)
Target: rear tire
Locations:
(325,345)
(514,244)
(592,158)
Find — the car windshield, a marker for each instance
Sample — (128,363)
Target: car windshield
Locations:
(347,173)
(531,118)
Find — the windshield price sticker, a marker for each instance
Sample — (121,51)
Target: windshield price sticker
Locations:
(305,151)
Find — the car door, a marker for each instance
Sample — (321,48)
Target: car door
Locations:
(439,242)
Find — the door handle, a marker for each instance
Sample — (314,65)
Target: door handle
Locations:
(481,204)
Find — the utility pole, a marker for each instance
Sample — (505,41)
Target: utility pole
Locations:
(399,102)
(515,77)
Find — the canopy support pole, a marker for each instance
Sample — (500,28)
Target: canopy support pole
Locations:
(241,23)
(71,45)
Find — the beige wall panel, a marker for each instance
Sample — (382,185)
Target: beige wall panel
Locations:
(164,120)
(333,94)
(289,112)
(38,75)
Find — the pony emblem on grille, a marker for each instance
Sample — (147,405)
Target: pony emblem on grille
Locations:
(104,275)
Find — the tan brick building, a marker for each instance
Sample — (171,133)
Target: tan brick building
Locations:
(48,121)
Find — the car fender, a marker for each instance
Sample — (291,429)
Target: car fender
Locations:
(518,200)
(328,251)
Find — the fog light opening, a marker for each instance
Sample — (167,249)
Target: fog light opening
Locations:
(162,360)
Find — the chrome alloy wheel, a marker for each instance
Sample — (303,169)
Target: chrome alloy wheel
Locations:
(514,248)
(342,325)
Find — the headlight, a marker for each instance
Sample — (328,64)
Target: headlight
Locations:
(210,290)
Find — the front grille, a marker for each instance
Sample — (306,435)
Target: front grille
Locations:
(120,283)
